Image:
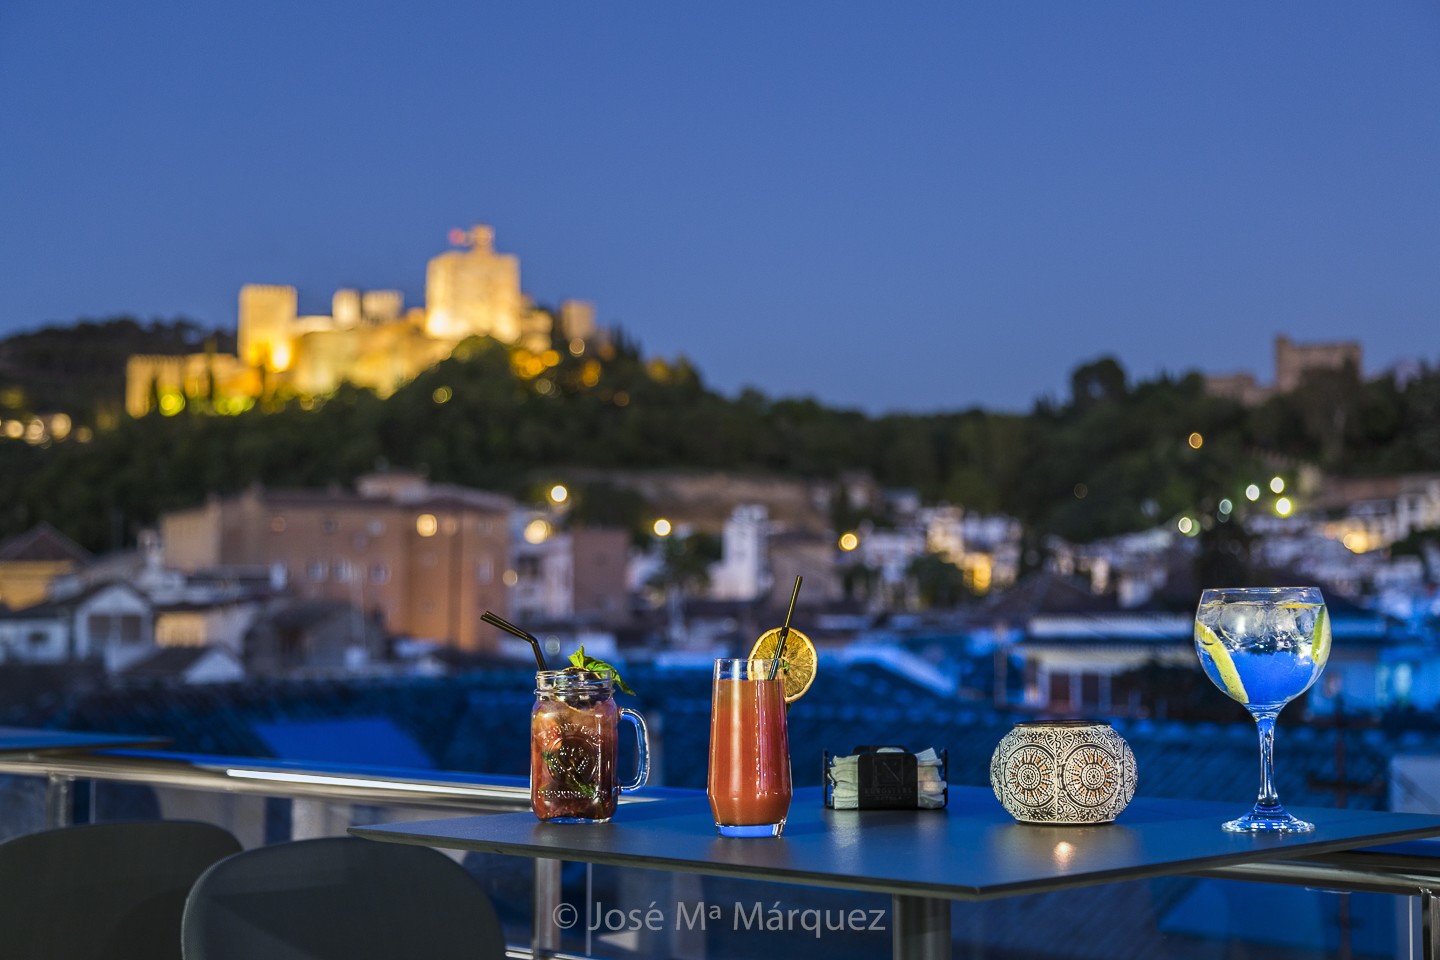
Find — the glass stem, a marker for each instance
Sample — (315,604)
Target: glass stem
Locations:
(1268,799)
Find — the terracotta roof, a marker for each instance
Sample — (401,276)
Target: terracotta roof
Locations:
(49,609)
(1045,592)
(43,544)
(167,662)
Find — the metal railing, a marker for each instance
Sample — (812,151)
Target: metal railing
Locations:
(348,784)
(271,778)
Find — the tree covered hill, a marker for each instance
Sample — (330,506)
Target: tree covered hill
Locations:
(80,369)
(1115,457)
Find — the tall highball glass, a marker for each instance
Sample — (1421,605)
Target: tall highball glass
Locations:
(749,779)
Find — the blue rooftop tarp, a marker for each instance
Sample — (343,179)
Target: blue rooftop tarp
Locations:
(364,741)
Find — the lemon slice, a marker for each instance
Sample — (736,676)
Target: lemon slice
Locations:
(798,669)
(1320,641)
(1206,639)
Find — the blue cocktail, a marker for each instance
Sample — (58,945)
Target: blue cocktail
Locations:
(1264,646)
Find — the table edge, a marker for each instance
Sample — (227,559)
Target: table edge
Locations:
(394,833)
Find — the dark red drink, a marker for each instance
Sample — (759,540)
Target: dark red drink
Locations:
(573,745)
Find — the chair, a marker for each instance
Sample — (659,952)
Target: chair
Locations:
(108,890)
(339,898)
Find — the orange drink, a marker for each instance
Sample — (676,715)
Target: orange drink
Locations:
(749,779)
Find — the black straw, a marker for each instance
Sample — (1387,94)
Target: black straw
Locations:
(495,620)
(785,630)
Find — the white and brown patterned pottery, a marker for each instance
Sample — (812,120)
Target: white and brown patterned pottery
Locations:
(1063,771)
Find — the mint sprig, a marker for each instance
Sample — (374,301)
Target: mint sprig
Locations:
(580,660)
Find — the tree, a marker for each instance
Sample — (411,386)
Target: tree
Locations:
(938,582)
(1328,401)
(1096,382)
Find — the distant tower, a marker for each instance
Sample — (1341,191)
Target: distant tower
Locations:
(1294,360)
(345,308)
(577,320)
(742,571)
(474,292)
(267,321)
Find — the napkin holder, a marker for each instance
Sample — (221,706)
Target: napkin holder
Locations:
(887,778)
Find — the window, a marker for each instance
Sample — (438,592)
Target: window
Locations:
(376,527)
(379,573)
(100,627)
(485,570)
(1060,689)
(37,638)
(316,571)
(344,571)
(130,625)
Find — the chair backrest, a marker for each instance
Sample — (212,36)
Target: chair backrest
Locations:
(339,898)
(107,890)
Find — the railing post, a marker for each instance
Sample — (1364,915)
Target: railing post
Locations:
(1429,924)
(921,928)
(545,933)
(311,818)
(59,801)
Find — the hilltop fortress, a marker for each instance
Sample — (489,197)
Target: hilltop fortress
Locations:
(369,339)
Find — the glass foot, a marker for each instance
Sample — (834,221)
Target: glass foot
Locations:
(755,830)
(1268,821)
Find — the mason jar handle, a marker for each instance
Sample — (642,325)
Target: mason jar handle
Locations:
(642,740)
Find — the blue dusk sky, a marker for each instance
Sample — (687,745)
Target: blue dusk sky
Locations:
(913,206)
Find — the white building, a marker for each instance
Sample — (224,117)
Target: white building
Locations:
(113,622)
(544,573)
(890,552)
(743,572)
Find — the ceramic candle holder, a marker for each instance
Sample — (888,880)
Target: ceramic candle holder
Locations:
(1063,772)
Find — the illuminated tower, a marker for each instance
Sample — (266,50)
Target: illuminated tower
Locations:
(474,292)
(267,321)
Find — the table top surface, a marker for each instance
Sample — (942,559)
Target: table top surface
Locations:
(972,851)
(26,740)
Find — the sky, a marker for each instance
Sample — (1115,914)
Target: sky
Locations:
(919,206)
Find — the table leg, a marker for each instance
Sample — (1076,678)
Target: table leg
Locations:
(921,928)
(545,934)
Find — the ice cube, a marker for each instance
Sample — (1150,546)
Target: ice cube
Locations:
(1284,624)
(1237,623)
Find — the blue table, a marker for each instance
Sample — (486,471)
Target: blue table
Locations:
(923,859)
